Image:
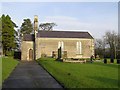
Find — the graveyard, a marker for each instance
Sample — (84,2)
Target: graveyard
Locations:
(82,75)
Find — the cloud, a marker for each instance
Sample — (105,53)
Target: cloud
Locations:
(69,23)
(97,29)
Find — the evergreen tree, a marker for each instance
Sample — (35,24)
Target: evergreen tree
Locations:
(26,27)
(8,34)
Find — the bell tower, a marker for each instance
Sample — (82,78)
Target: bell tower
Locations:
(35,25)
(35,35)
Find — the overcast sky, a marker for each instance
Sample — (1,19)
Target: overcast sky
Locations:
(94,17)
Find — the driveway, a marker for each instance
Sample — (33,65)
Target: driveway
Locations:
(30,75)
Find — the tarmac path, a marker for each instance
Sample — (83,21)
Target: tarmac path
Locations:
(30,75)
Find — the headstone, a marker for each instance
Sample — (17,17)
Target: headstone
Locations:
(111,60)
(105,60)
(53,54)
(118,61)
(59,54)
(65,55)
(91,58)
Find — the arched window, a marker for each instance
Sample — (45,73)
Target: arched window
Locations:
(61,44)
(78,47)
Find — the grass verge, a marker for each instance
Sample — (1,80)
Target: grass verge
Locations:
(8,64)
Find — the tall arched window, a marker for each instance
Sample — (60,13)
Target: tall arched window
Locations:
(61,44)
(78,47)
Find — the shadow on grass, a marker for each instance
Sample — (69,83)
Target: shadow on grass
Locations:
(113,83)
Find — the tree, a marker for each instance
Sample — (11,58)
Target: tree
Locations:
(26,27)
(47,26)
(108,46)
(8,34)
(111,39)
(118,46)
(99,48)
(19,39)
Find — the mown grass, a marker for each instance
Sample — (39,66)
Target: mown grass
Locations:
(109,60)
(76,75)
(8,64)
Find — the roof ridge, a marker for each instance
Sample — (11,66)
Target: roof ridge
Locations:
(63,31)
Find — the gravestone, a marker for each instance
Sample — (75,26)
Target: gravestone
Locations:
(111,60)
(91,58)
(118,61)
(65,55)
(59,54)
(105,60)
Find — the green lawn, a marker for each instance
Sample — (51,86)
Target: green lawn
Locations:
(76,75)
(8,64)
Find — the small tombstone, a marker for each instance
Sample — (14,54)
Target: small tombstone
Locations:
(111,60)
(118,61)
(91,58)
(53,54)
(105,60)
(65,55)
(97,57)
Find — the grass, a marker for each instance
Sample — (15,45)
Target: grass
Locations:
(76,75)
(108,60)
(8,64)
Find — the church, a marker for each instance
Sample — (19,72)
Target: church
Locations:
(73,44)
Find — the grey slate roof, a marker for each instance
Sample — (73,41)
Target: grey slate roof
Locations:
(63,34)
(28,37)
(58,34)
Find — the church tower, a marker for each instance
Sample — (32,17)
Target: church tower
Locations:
(35,35)
(35,25)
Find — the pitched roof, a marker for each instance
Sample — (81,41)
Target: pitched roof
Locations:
(57,34)
(28,37)
(63,34)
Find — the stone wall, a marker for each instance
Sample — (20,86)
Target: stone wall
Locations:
(48,45)
(25,47)
(45,46)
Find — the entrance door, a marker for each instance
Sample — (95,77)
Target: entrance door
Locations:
(30,54)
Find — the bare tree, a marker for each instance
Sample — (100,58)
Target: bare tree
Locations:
(47,26)
(118,46)
(109,46)
(99,47)
(111,40)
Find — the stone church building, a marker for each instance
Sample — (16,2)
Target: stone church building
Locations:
(46,44)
